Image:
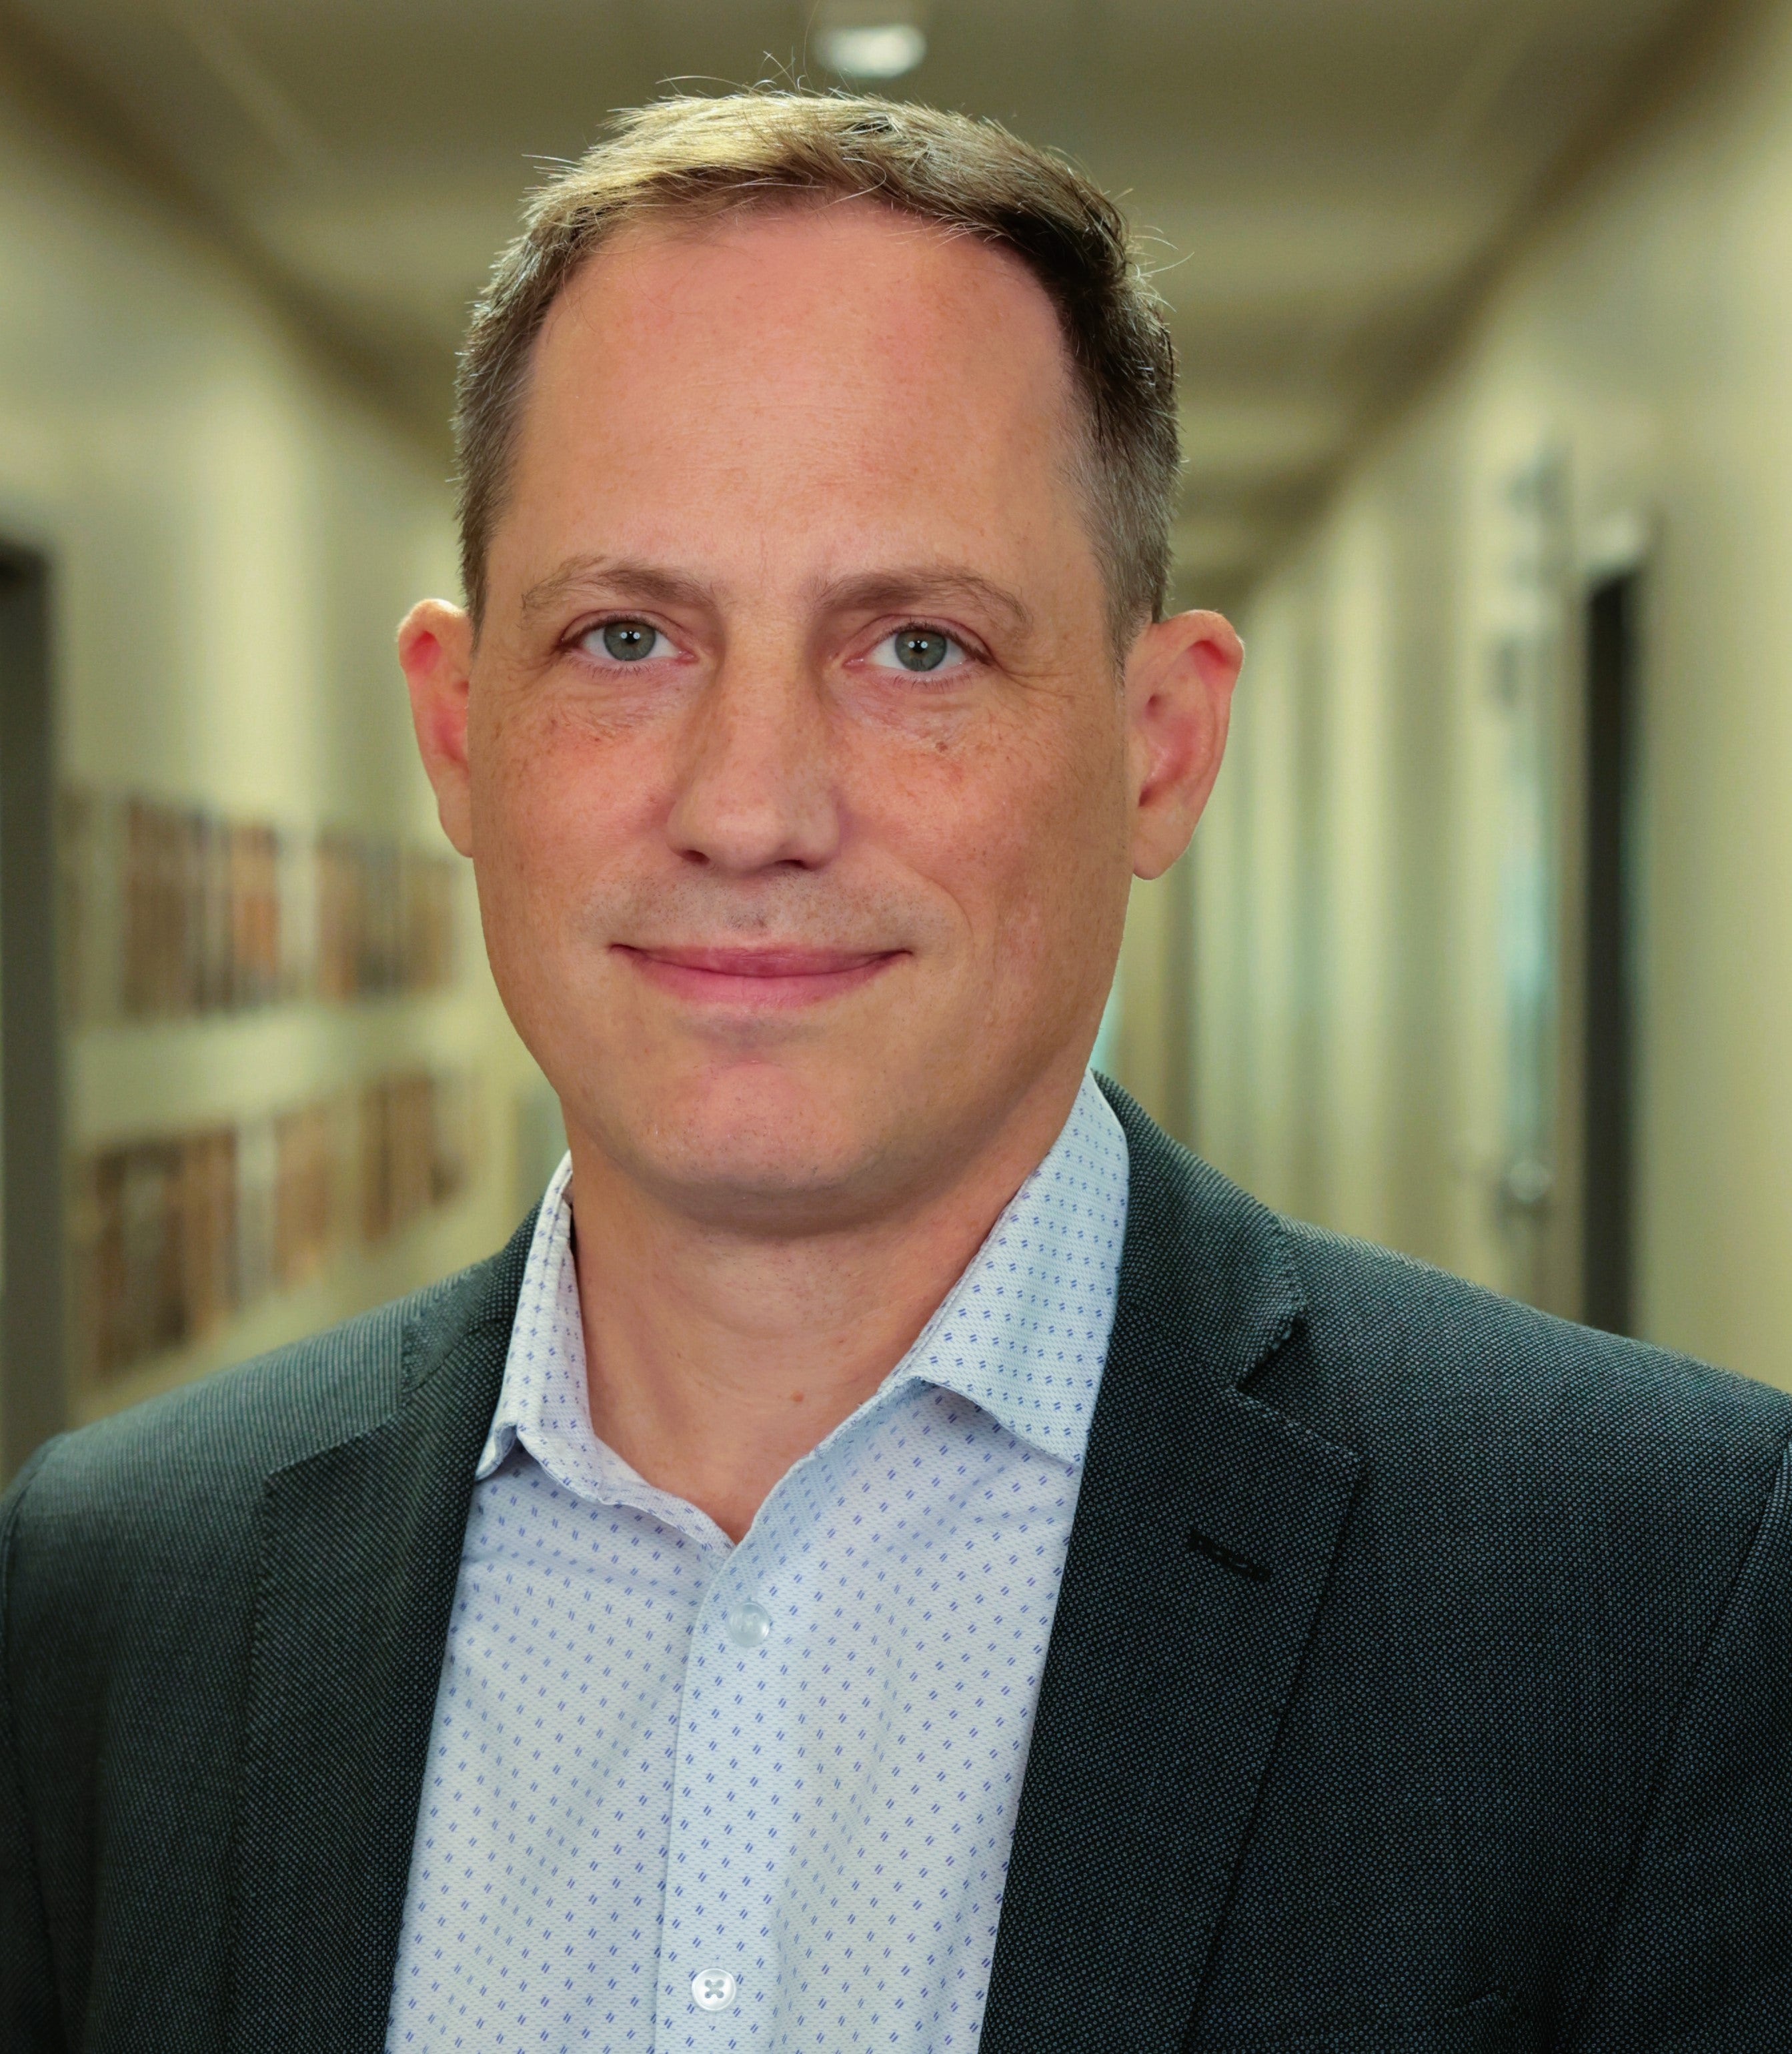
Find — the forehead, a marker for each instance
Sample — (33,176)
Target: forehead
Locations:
(840,354)
(815,284)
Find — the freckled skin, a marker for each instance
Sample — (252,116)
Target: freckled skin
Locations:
(774,442)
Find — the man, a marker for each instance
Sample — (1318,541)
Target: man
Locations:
(896,1554)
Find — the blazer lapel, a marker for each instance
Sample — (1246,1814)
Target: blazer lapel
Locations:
(360,1552)
(1205,1529)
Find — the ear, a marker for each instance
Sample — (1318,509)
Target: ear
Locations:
(1180,676)
(435,651)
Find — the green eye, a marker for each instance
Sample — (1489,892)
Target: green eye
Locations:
(628,641)
(922,648)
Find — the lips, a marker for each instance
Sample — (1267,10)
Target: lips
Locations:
(762,978)
(766,962)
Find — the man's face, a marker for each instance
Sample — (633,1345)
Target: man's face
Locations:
(802,794)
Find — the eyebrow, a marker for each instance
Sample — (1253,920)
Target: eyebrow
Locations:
(644,582)
(887,592)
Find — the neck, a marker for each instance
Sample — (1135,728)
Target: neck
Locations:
(717,1357)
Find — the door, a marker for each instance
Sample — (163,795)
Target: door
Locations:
(33,1387)
(1609,1053)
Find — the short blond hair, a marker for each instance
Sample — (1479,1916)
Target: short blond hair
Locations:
(696,158)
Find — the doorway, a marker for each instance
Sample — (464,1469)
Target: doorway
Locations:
(1609,1053)
(33,1387)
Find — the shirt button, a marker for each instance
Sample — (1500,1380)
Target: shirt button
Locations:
(713,1989)
(750,1625)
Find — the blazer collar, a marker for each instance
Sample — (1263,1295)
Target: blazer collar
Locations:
(1204,1532)
(360,1554)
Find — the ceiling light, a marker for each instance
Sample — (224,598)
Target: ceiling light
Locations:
(875,49)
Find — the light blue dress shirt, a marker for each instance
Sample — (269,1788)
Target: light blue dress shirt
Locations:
(683,1794)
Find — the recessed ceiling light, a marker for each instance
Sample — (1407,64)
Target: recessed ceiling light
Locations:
(875,49)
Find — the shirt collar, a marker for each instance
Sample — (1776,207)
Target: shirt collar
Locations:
(1023,1334)
(544,1402)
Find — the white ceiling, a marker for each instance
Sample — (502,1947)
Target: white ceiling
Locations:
(1322,180)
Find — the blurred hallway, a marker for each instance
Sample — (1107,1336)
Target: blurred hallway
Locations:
(1484,948)
(1487,929)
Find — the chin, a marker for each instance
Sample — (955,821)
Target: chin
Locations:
(754,1139)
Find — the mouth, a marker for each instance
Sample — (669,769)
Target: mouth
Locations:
(761,979)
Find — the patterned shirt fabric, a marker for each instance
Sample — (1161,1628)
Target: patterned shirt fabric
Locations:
(683,1794)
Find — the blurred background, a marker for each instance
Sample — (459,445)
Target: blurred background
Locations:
(1485,949)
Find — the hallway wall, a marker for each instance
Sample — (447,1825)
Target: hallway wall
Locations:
(233,530)
(1624,396)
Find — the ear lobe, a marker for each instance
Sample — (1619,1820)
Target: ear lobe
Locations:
(1179,686)
(435,651)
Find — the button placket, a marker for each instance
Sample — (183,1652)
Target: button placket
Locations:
(717,1976)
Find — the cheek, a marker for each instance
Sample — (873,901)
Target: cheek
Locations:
(552,798)
(1025,833)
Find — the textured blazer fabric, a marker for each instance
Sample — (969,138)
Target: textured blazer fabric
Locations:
(1421,1678)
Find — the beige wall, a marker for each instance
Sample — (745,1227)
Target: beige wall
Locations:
(233,533)
(1350,1059)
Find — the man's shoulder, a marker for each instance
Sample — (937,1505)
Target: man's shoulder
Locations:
(184,1472)
(1408,1364)
(1422,1370)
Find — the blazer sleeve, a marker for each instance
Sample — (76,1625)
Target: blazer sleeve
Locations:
(1699,1956)
(29,2020)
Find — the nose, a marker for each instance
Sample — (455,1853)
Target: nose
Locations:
(757,784)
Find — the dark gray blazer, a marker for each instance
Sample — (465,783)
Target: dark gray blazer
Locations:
(1421,1680)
